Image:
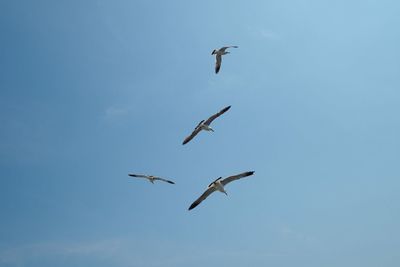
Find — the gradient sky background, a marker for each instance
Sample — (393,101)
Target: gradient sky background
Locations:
(93,90)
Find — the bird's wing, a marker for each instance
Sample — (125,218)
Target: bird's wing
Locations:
(138,175)
(236,177)
(216,115)
(164,180)
(218,59)
(202,197)
(222,49)
(193,134)
(199,124)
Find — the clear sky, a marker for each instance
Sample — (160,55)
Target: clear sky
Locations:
(93,90)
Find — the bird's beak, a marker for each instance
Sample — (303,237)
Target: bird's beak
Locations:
(226,193)
(211,130)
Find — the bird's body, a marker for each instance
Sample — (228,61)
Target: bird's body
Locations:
(205,125)
(151,178)
(206,128)
(219,185)
(218,56)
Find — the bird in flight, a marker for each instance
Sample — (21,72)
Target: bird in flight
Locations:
(218,185)
(205,125)
(218,56)
(151,178)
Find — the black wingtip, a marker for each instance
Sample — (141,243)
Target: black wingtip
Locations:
(250,173)
(170,182)
(192,206)
(225,109)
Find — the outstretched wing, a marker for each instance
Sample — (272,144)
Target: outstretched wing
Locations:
(229,179)
(216,115)
(164,180)
(218,60)
(222,49)
(193,134)
(202,197)
(138,175)
(218,56)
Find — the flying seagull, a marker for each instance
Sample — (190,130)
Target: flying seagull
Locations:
(205,125)
(218,56)
(218,185)
(151,178)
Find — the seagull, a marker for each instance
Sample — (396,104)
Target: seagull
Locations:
(218,185)
(151,178)
(205,125)
(218,56)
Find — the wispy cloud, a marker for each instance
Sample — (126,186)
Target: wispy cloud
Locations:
(290,233)
(21,255)
(269,34)
(106,247)
(265,34)
(115,112)
(124,252)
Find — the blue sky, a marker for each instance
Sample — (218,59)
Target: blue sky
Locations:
(93,90)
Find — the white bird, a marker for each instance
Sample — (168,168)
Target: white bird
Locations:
(151,178)
(205,125)
(218,185)
(218,56)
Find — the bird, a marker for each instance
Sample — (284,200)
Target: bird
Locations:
(218,185)
(205,125)
(218,56)
(151,178)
